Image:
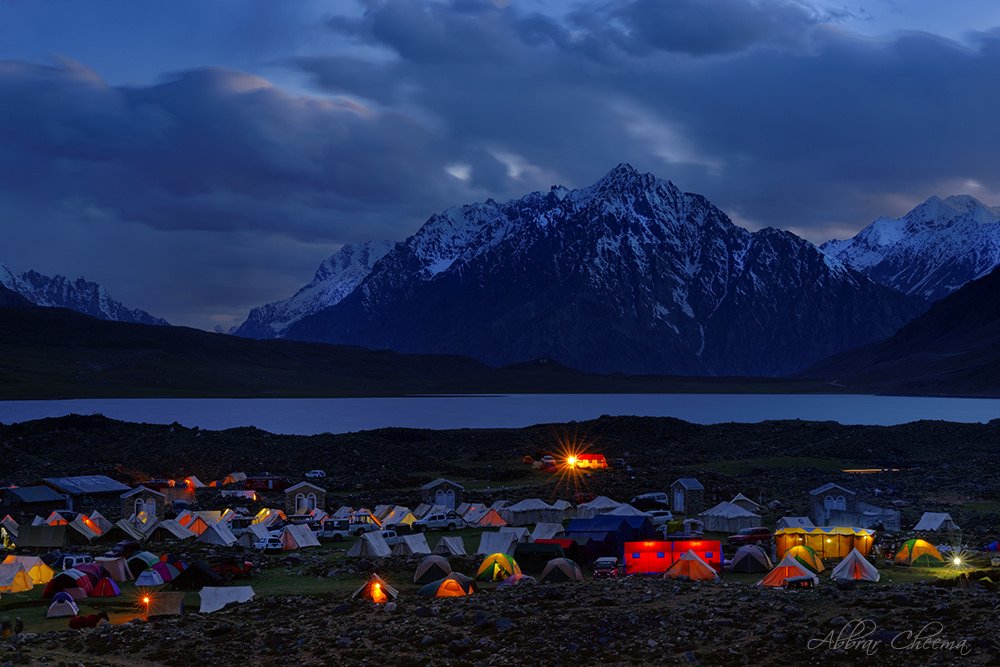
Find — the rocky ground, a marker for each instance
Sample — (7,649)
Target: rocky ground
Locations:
(630,621)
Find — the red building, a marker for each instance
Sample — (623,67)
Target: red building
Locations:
(654,557)
(590,461)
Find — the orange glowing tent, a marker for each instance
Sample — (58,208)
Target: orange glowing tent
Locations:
(918,552)
(786,571)
(453,586)
(376,590)
(691,567)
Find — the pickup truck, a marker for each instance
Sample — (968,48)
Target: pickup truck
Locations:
(230,567)
(758,535)
(334,529)
(359,524)
(440,521)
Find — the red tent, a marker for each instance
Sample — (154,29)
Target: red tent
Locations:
(67,579)
(106,588)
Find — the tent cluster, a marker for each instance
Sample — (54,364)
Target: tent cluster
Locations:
(100,578)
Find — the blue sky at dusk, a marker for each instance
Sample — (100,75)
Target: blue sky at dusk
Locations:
(199,158)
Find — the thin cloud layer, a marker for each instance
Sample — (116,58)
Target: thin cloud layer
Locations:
(775,110)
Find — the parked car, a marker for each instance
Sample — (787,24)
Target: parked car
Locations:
(548,460)
(758,535)
(316,474)
(123,549)
(661,517)
(606,567)
(391,537)
(440,521)
(230,567)
(362,523)
(69,561)
(335,529)
(269,545)
(651,500)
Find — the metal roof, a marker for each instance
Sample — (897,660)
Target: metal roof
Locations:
(86,484)
(35,494)
(439,481)
(828,487)
(690,483)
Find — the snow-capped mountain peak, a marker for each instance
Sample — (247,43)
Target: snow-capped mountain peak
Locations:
(80,295)
(931,251)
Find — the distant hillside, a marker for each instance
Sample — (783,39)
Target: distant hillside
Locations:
(57,353)
(954,348)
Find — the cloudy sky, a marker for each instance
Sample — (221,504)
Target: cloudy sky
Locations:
(199,158)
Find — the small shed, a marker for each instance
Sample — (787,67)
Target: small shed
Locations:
(687,496)
(443,492)
(303,498)
(143,501)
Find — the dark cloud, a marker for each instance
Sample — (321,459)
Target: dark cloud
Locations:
(211,190)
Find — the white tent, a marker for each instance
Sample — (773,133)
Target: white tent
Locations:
(253,533)
(520,534)
(398,516)
(529,512)
(343,512)
(936,521)
(855,567)
(450,546)
(149,578)
(9,523)
(380,511)
(599,505)
(214,598)
(102,522)
(218,534)
(410,545)
(496,543)
(194,482)
(116,567)
(500,505)
(547,530)
(62,608)
(795,522)
(370,545)
(626,510)
(473,513)
(745,503)
(169,529)
(728,518)
(297,536)
(38,521)
(422,510)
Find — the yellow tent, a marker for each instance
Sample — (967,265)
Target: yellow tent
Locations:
(918,552)
(827,542)
(36,568)
(807,557)
(14,579)
(497,567)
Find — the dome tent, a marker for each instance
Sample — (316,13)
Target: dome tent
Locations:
(497,567)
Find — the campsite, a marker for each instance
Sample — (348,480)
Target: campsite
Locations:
(469,555)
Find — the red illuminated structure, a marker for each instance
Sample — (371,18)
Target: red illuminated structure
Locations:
(587,461)
(654,557)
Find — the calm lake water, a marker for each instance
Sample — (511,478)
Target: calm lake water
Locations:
(308,416)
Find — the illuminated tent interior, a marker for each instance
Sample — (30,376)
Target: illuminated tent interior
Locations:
(828,542)
(453,586)
(787,569)
(918,552)
(808,557)
(497,567)
(376,590)
(690,567)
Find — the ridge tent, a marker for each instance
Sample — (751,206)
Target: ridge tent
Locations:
(453,586)
(106,588)
(253,533)
(935,521)
(422,510)
(750,558)
(626,510)
(463,508)
(411,545)
(194,482)
(298,536)
(855,568)
(165,604)
(728,517)
(149,578)
(381,511)
(530,511)
(599,505)
(197,524)
(450,546)
(690,567)
(117,568)
(918,552)
(520,534)
(370,545)
(66,580)
(376,590)
(234,477)
(62,605)
(9,523)
(218,534)
(141,560)
(745,503)
(431,569)
(489,519)
(15,579)
(787,569)
(343,512)
(102,522)
(476,512)
(399,516)
(36,568)
(807,557)
(547,530)
(559,570)
(169,529)
(214,598)
(495,542)
(130,530)
(497,567)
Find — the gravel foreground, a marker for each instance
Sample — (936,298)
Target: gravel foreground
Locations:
(630,621)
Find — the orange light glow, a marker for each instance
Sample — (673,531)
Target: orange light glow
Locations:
(145,600)
(571,460)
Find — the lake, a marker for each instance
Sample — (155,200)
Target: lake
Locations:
(307,416)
